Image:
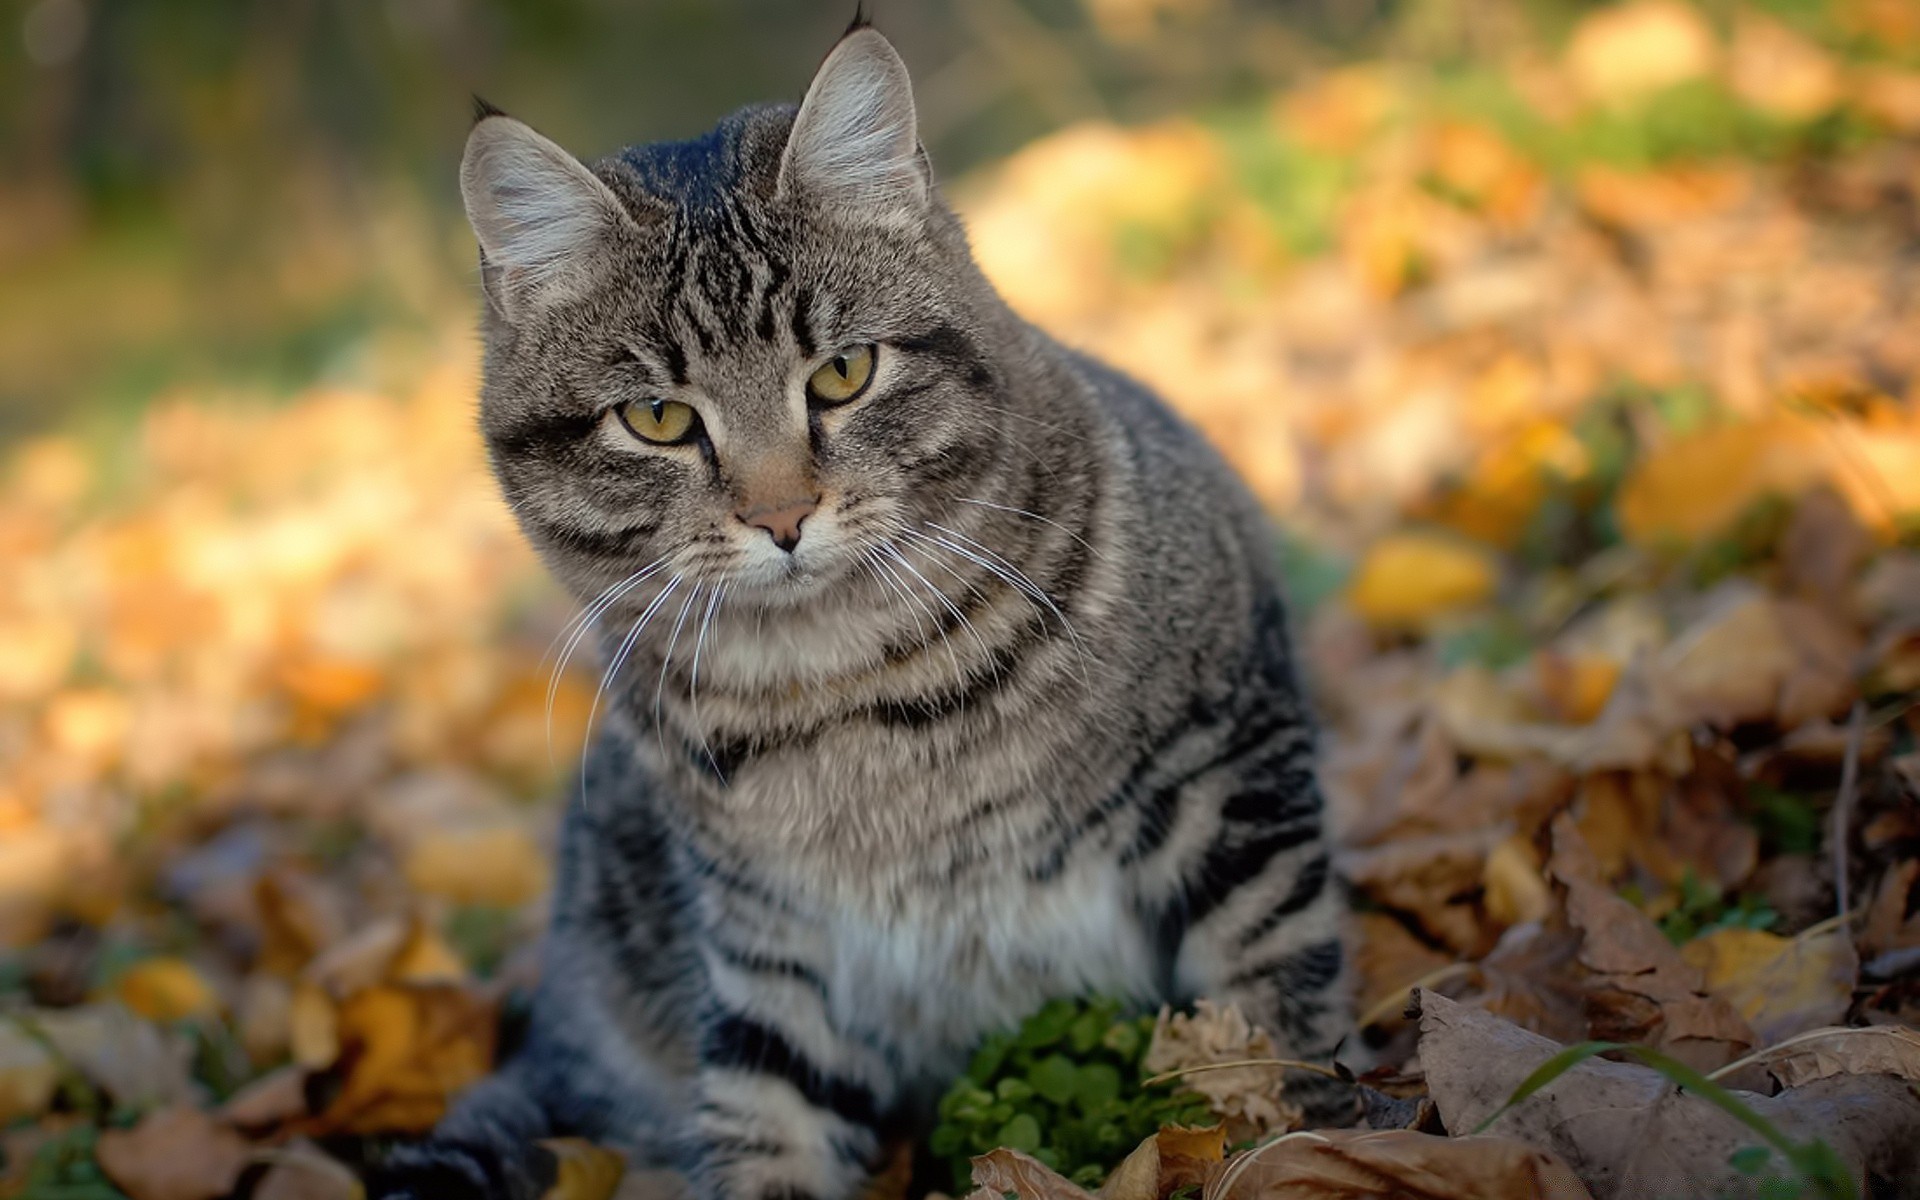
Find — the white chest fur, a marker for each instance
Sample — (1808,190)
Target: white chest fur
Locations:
(939,974)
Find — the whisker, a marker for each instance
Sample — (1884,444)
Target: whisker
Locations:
(693,683)
(1021,512)
(1019,579)
(958,613)
(579,626)
(660,686)
(619,660)
(899,586)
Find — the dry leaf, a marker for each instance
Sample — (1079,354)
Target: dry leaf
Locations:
(1782,986)
(300,1171)
(1174,1158)
(1630,1133)
(136,1064)
(173,1154)
(404,1051)
(1408,579)
(1818,1053)
(1250,1100)
(28,1074)
(1001,1171)
(1640,988)
(166,989)
(498,865)
(585,1171)
(1349,1165)
(274,1099)
(1620,54)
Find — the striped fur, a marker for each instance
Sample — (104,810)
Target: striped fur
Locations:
(1017,718)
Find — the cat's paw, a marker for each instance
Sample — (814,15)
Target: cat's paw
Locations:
(437,1170)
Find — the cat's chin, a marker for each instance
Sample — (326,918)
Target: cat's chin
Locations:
(792,585)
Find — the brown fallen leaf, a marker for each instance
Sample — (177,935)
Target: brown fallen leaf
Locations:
(1001,1171)
(137,1064)
(1640,988)
(301,1171)
(1174,1158)
(176,1153)
(1839,1050)
(1629,1133)
(1251,1100)
(1344,1164)
(1525,979)
(275,1098)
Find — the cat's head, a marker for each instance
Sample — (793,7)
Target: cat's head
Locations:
(744,357)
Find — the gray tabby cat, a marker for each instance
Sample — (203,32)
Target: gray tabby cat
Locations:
(947,668)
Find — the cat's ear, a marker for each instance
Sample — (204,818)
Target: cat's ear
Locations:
(543,220)
(855,146)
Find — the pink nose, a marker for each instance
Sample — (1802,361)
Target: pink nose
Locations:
(782,522)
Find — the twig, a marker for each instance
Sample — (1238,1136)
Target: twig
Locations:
(1843,803)
(1296,1064)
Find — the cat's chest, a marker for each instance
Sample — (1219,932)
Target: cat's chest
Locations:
(942,970)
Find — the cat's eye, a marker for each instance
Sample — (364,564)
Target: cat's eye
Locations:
(842,377)
(662,422)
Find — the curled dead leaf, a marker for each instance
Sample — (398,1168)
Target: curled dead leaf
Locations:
(1838,1050)
(1250,1099)
(1350,1164)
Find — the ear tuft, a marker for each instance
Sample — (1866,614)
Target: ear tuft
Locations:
(855,145)
(482,109)
(543,220)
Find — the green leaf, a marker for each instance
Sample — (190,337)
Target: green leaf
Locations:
(1749,1159)
(1096,1084)
(1055,1078)
(1021,1133)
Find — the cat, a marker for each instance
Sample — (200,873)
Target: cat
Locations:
(947,669)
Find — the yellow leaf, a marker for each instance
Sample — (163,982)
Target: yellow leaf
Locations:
(406,1050)
(1407,579)
(1625,53)
(497,865)
(313,1029)
(1697,485)
(1782,986)
(1516,891)
(426,958)
(166,989)
(1575,687)
(587,1171)
(1781,73)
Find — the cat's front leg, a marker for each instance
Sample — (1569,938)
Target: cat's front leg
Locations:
(789,1107)
(1260,919)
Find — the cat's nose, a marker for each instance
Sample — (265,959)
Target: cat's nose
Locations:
(781,521)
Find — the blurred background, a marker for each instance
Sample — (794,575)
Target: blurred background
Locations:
(1575,343)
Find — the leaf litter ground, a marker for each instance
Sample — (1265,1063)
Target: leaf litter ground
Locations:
(1586,378)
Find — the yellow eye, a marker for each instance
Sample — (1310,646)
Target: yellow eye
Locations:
(842,377)
(661,422)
